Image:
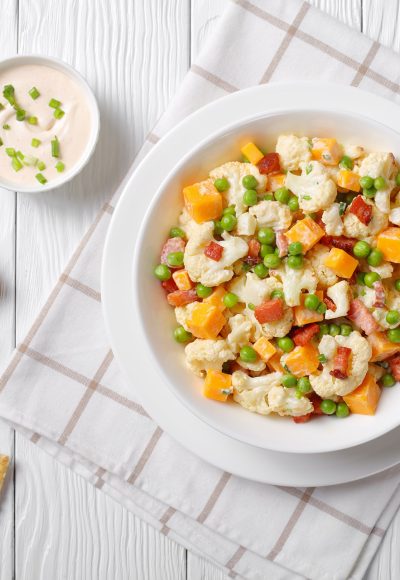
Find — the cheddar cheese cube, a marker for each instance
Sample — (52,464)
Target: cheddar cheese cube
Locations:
(252,153)
(382,347)
(264,348)
(306,231)
(217,385)
(205,321)
(327,151)
(303,360)
(348,180)
(275,181)
(388,242)
(341,263)
(364,400)
(182,280)
(203,202)
(274,363)
(217,298)
(304,316)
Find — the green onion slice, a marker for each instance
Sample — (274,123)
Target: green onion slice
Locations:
(21,114)
(6,127)
(58,113)
(20,155)
(35,142)
(55,147)
(16,164)
(60,166)
(32,120)
(10,151)
(9,94)
(30,161)
(54,104)
(41,165)
(34,93)
(41,178)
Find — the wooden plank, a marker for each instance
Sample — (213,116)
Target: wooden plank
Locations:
(347,11)
(134,54)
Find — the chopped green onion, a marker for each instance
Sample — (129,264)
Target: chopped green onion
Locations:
(35,142)
(251,306)
(41,165)
(54,104)
(1,141)
(32,120)
(59,113)
(6,127)
(9,94)
(20,155)
(60,166)
(10,151)
(30,161)
(41,178)
(55,147)
(34,93)
(1,107)
(21,113)
(16,164)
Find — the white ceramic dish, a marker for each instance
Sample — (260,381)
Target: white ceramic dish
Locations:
(121,317)
(95,121)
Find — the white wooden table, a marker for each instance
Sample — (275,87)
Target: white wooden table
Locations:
(134,53)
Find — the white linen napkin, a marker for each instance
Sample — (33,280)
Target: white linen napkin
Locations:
(63,389)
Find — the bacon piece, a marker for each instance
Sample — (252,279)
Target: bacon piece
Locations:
(302,418)
(282,243)
(341,363)
(361,210)
(270,163)
(361,316)
(172,245)
(316,401)
(169,285)
(380,295)
(253,255)
(330,303)
(341,242)
(182,297)
(302,336)
(394,364)
(269,311)
(214,251)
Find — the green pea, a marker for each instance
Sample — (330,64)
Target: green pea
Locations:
(282,194)
(392,317)
(370,278)
(250,197)
(328,406)
(361,278)
(261,270)
(295,248)
(311,302)
(162,272)
(388,380)
(265,250)
(228,222)
(293,203)
(304,385)
(266,236)
(334,329)
(177,233)
(361,249)
(278,294)
(366,182)
(181,335)
(322,308)
(346,162)
(322,358)
(249,182)
(295,262)
(230,210)
(375,258)
(370,193)
(380,183)
(230,299)
(221,184)
(398,179)
(251,306)
(345,329)
(248,354)
(394,335)
(323,329)
(272,261)
(342,410)
(289,381)
(218,229)
(268,197)
(397,285)
(203,291)
(175,259)
(285,343)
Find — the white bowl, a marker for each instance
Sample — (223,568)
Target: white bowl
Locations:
(157,317)
(95,121)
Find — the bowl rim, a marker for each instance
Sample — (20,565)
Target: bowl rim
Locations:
(137,258)
(57,63)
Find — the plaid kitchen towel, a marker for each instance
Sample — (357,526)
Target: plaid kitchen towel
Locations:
(63,389)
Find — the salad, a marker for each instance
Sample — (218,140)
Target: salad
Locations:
(284,274)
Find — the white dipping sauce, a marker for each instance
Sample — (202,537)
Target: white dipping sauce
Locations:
(72,130)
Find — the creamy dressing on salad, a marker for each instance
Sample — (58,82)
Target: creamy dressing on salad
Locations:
(72,130)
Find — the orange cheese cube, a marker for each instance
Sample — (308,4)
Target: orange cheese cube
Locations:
(217,298)
(217,385)
(306,231)
(304,316)
(275,181)
(348,180)
(205,321)
(274,363)
(303,360)
(364,399)
(252,153)
(382,347)
(341,263)
(182,280)
(388,242)
(264,348)
(203,202)
(327,151)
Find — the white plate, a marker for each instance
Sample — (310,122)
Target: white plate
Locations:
(221,450)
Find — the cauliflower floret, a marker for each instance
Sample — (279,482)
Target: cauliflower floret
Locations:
(333,221)
(187,223)
(257,366)
(234,171)
(294,281)
(272,214)
(394,216)
(340,294)
(316,256)
(271,329)
(240,332)
(182,313)
(246,224)
(366,295)
(392,303)
(292,151)
(314,187)
(380,164)
(385,270)
(205,270)
(285,402)
(324,384)
(251,392)
(203,355)
(353,228)
(353,151)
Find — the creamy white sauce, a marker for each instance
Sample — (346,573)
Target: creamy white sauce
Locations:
(72,130)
